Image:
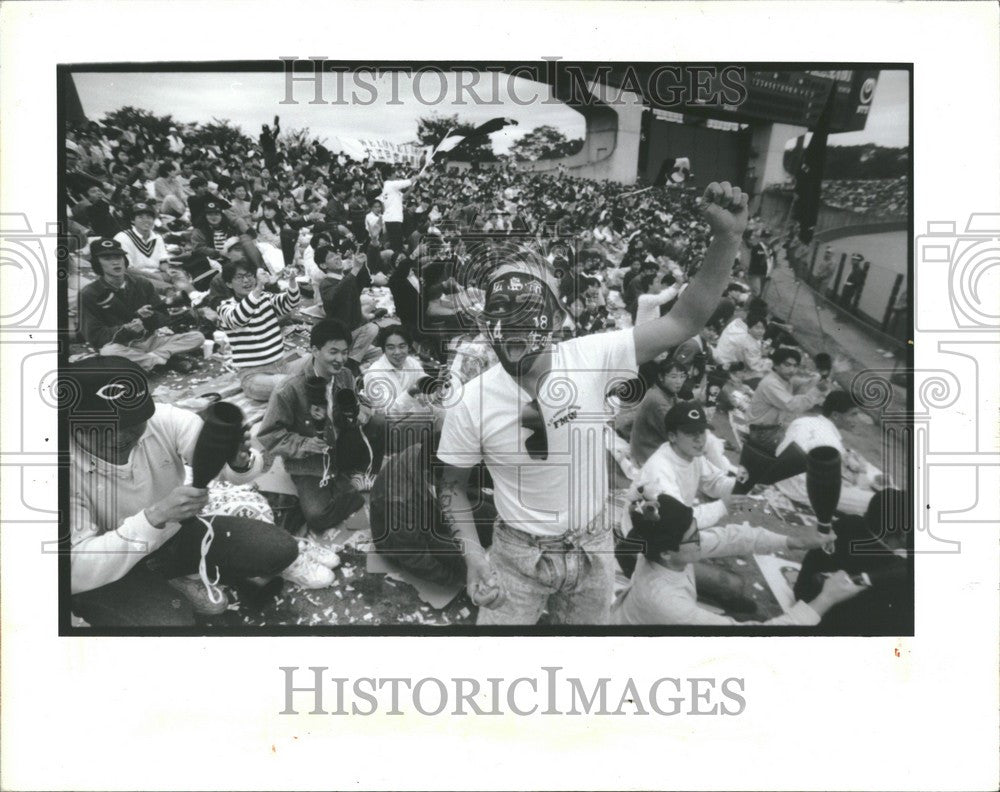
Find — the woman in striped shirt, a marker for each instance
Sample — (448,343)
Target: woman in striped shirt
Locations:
(250,320)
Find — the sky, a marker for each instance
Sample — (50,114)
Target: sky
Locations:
(889,117)
(250,99)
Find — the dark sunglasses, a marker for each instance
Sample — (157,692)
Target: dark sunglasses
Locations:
(537,442)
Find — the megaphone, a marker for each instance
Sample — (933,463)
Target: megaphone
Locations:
(823,486)
(217,443)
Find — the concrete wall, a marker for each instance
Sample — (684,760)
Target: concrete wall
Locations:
(611,146)
(886,250)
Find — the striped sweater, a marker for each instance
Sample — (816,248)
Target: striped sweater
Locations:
(251,324)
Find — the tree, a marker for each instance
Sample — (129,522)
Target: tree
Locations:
(147,122)
(542,143)
(432,129)
(220,132)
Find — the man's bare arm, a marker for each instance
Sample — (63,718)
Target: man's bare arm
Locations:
(725,209)
(480,580)
(456,509)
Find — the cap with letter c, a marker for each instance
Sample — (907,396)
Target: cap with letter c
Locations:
(105,389)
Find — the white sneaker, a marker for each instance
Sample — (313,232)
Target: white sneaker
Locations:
(306,573)
(323,556)
(362,482)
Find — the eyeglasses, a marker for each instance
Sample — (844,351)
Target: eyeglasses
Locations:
(536,443)
(245,276)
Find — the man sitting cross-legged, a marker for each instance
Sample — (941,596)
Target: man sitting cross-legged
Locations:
(407,525)
(775,404)
(680,469)
(136,539)
(296,428)
(122,315)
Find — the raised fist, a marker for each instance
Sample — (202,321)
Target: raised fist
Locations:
(725,208)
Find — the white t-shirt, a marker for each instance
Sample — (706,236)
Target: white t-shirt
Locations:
(387,385)
(392,199)
(667,473)
(569,489)
(375,225)
(648,305)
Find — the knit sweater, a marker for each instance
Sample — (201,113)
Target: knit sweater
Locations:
(143,254)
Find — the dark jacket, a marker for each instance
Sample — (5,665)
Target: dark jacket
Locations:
(287,422)
(203,241)
(406,521)
(196,206)
(342,297)
(405,298)
(104,311)
(100,220)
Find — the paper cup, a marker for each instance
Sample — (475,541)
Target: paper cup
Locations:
(207,348)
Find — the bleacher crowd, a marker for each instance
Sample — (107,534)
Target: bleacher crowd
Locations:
(447,308)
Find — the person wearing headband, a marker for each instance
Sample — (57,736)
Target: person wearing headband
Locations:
(539,422)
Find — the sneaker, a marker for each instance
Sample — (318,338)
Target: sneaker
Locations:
(305,572)
(198,596)
(323,556)
(362,482)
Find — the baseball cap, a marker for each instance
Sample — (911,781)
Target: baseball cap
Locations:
(142,208)
(103,389)
(105,247)
(686,416)
(212,206)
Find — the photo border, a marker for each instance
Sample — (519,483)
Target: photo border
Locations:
(65,627)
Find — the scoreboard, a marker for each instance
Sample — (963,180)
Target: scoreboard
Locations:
(798,97)
(786,97)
